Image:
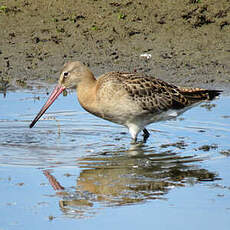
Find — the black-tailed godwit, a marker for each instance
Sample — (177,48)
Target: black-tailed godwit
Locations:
(133,100)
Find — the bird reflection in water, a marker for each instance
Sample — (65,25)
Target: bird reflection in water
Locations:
(127,179)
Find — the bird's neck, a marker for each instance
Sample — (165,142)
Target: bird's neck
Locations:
(86,92)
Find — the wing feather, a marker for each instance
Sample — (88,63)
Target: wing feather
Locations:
(152,94)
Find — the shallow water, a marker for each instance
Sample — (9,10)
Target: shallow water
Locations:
(74,170)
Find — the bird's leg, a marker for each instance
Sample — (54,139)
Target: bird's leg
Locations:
(134,140)
(133,130)
(145,135)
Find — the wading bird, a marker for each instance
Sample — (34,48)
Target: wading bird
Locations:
(133,100)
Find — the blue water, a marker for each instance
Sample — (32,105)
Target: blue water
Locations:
(179,179)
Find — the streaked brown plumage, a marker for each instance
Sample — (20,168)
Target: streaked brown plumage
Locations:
(130,99)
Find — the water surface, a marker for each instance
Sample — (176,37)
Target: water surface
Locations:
(77,171)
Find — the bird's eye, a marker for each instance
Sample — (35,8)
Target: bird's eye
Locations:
(65,74)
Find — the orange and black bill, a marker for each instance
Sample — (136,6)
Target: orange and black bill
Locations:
(56,92)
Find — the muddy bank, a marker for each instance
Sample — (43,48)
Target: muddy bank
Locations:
(189,41)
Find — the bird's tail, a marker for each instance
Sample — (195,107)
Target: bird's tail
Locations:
(198,94)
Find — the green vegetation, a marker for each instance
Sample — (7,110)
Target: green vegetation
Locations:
(60,30)
(195,1)
(94,27)
(121,16)
(64,93)
(3,8)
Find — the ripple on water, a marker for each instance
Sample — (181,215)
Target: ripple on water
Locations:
(67,133)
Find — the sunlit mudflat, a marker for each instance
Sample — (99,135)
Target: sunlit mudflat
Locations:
(77,171)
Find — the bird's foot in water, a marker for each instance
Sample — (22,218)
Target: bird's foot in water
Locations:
(145,135)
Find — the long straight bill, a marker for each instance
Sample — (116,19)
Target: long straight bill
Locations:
(56,92)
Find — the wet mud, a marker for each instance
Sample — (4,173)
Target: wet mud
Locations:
(184,42)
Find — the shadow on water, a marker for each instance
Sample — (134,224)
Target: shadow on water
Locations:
(126,178)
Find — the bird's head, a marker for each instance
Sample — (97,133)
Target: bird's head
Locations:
(71,76)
